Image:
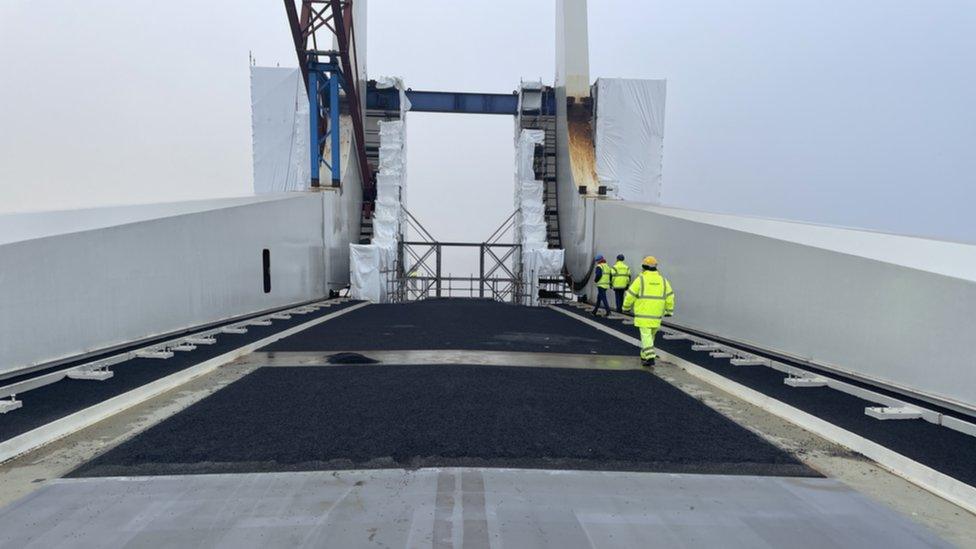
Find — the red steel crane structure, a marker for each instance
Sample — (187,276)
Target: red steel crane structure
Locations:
(325,43)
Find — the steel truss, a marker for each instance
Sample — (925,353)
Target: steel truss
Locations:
(325,71)
(422,276)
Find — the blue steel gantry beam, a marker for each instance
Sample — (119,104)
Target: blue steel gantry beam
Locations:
(448,102)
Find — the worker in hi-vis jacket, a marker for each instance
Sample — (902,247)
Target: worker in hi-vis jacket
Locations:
(601,275)
(651,297)
(619,279)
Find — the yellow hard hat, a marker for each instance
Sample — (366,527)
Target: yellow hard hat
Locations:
(649,261)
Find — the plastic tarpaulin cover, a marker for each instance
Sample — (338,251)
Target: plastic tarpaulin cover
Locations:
(279,125)
(543,262)
(630,137)
(530,223)
(530,227)
(364,272)
(388,216)
(373,265)
(530,100)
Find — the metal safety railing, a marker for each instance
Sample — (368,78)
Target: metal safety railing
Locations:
(419,270)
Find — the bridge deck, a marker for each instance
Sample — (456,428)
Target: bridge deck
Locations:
(480,424)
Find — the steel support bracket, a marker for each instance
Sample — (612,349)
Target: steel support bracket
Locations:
(154,354)
(9,405)
(888,412)
(705,347)
(805,381)
(753,361)
(91,375)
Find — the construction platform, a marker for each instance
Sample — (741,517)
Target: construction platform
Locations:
(447,423)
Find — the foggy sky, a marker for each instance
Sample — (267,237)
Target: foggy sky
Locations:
(839,112)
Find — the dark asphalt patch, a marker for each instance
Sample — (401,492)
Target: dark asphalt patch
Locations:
(52,402)
(447,324)
(351,358)
(947,451)
(341,417)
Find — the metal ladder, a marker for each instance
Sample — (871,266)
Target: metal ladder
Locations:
(545,170)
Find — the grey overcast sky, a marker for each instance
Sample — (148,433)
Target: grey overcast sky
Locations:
(850,112)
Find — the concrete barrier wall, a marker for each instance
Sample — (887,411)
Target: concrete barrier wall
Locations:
(897,325)
(66,294)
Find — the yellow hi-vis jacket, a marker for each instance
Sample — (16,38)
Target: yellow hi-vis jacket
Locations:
(604,280)
(651,297)
(621,275)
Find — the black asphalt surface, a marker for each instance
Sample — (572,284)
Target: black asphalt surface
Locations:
(379,416)
(942,449)
(52,402)
(447,324)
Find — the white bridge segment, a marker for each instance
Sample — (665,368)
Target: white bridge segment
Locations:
(77,282)
(871,319)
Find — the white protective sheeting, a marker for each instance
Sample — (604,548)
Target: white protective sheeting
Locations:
(530,223)
(530,98)
(279,125)
(364,272)
(804,291)
(99,287)
(630,137)
(373,266)
(543,262)
(390,192)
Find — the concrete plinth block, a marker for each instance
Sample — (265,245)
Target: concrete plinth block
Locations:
(154,354)
(9,405)
(887,412)
(705,347)
(91,375)
(749,362)
(805,382)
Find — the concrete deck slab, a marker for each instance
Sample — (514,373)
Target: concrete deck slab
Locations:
(455,507)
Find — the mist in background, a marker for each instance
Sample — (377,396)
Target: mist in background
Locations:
(850,113)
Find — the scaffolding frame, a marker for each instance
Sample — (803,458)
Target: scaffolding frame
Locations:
(419,272)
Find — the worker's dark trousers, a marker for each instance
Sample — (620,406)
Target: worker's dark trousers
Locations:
(601,298)
(618,294)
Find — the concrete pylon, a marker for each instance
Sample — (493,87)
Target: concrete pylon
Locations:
(572,48)
(575,154)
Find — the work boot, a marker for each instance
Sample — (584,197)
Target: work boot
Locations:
(647,362)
